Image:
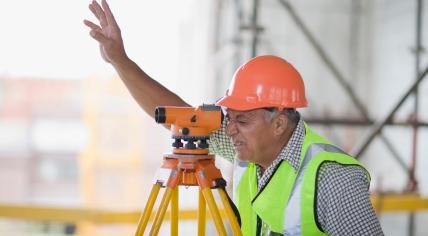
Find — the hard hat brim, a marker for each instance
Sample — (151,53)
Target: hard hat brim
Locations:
(239,104)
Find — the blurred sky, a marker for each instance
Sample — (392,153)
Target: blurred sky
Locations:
(47,38)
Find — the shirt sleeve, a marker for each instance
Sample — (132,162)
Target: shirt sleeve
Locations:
(221,145)
(343,201)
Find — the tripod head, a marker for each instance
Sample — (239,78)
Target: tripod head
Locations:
(191,125)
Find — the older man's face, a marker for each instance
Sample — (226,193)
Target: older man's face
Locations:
(251,134)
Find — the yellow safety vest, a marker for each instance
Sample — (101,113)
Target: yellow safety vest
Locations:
(271,204)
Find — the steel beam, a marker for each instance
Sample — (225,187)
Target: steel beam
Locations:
(360,122)
(381,203)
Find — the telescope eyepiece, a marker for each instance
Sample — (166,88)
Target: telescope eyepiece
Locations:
(160,116)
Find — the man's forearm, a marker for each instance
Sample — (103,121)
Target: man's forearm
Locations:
(146,91)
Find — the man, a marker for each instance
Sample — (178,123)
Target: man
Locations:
(289,180)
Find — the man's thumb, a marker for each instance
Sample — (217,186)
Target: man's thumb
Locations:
(98,36)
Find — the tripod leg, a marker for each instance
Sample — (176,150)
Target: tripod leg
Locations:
(229,212)
(174,212)
(161,212)
(201,214)
(148,210)
(214,211)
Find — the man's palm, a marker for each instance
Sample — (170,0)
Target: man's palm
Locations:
(107,33)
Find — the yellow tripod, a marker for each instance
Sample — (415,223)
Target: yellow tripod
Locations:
(189,170)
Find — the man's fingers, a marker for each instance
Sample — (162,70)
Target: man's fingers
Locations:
(99,36)
(92,25)
(109,15)
(91,7)
(100,12)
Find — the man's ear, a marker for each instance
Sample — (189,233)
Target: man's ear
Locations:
(280,123)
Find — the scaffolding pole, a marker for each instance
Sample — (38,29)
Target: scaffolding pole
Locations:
(254,27)
(378,126)
(340,78)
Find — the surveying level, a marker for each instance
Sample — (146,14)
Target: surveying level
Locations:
(190,125)
(189,165)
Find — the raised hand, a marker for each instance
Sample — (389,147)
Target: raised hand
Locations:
(146,91)
(107,33)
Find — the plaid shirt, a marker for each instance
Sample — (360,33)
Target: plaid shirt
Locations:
(342,202)
(290,153)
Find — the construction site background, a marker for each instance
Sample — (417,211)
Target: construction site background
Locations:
(78,155)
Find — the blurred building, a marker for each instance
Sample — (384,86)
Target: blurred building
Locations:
(70,143)
(42,132)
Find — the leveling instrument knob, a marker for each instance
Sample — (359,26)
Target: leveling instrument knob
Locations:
(203,143)
(190,144)
(185,131)
(177,143)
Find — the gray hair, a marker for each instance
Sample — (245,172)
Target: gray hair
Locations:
(292,114)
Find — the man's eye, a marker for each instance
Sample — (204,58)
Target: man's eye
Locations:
(242,121)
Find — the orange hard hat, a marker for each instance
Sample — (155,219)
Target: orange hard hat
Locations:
(265,81)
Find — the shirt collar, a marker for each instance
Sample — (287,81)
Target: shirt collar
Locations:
(289,153)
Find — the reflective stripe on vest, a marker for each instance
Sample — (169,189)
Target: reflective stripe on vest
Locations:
(288,208)
(292,221)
